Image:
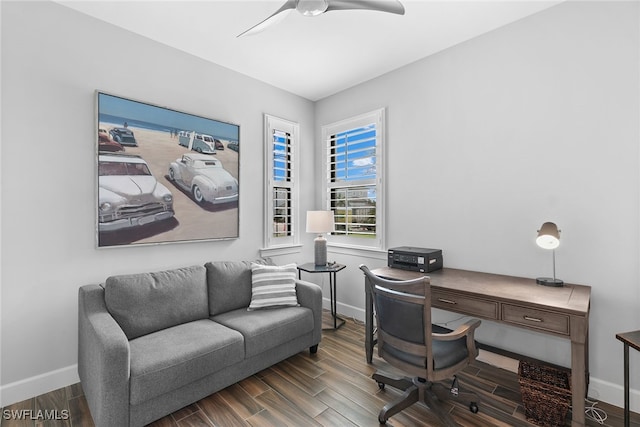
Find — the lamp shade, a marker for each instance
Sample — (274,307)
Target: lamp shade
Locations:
(548,236)
(320,222)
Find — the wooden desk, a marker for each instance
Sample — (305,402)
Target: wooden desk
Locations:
(514,301)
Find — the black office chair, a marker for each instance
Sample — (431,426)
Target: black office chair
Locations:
(408,341)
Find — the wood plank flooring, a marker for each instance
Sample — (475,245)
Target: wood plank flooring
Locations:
(332,388)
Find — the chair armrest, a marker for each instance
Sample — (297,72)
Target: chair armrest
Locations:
(467,329)
(103,359)
(310,296)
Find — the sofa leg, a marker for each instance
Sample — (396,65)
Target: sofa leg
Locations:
(313,349)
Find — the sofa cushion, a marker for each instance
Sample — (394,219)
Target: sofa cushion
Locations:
(229,284)
(273,286)
(169,359)
(148,302)
(266,329)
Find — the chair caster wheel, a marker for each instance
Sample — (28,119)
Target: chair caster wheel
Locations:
(473,407)
(381,386)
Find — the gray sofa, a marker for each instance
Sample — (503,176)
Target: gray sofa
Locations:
(150,344)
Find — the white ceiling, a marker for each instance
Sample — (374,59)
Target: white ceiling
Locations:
(311,57)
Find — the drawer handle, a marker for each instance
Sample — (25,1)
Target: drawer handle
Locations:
(447,301)
(532,319)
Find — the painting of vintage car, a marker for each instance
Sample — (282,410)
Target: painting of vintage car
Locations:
(128,194)
(205,177)
(124,136)
(139,202)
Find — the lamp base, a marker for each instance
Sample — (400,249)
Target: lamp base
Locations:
(549,281)
(320,251)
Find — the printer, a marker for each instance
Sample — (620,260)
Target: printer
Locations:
(423,260)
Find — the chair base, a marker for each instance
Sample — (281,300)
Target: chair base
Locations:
(419,390)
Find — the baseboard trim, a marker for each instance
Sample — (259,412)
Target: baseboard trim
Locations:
(613,394)
(345,310)
(34,386)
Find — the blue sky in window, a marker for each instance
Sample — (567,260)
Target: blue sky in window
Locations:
(279,155)
(355,154)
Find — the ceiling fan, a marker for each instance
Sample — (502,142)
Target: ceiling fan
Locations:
(318,7)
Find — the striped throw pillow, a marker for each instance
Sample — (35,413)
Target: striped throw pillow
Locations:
(273,286)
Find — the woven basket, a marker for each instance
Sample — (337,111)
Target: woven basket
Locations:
(546,393)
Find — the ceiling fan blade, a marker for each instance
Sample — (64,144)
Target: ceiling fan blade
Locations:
(275,17)
(390,6)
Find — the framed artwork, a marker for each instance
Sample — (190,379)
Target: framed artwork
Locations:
(164,176)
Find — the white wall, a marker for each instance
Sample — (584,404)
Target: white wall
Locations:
(53,59)
(532,122)
(535,121)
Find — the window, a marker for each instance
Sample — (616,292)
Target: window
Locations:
(354,170)
(281,137)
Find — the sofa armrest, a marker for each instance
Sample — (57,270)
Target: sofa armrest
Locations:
(103,359)
(310,296)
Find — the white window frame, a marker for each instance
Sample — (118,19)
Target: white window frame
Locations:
(272,125)
(376,118)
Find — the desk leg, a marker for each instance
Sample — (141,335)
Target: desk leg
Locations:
(626,385)
(368,322)
(578,383)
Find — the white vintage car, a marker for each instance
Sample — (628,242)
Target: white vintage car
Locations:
(128,195)
(205,178)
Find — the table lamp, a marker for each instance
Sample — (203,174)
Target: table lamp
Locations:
(320,222)
(549,238)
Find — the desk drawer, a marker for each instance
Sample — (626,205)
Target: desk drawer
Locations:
(464,305)
(537,319)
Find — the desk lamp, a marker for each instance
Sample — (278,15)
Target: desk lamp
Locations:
(549,238)
(320,222)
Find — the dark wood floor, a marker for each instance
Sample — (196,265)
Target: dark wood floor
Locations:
(332,388)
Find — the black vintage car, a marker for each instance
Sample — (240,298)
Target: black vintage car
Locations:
(124,136)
